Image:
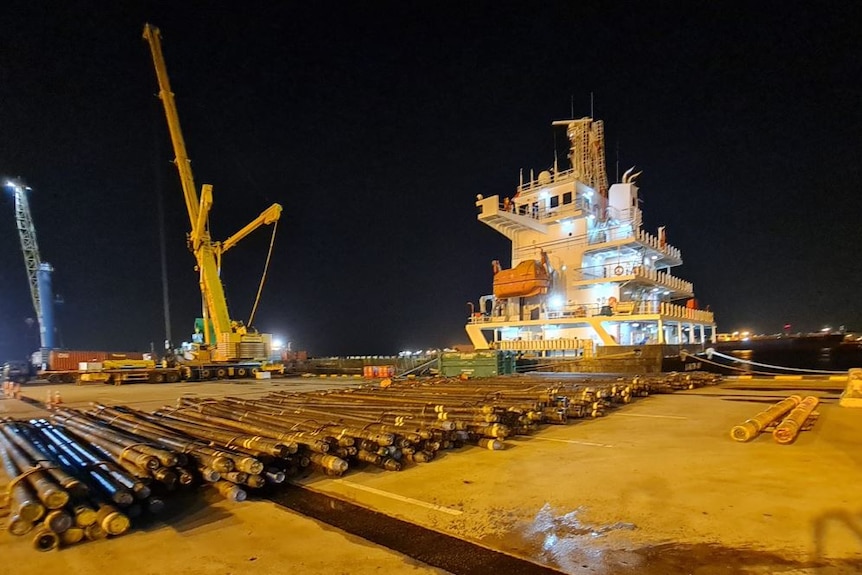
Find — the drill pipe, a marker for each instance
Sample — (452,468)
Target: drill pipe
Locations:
(205,433)
(57,520)
(94,531)
(358,418)
(309,440)
(72,536)
(25,507)
(281,417)
(787,430)
(86,462)
(291,439)
(254,443)
(111,520)
(274,475)
(235,476)
(230,491)
(45,540)
(66,481)
(49,493)
(220,461)
(752,427)
(85,514)
(106,429)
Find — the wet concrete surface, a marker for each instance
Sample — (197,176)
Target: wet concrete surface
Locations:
(455,555)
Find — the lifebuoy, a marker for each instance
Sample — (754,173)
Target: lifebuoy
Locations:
(618,271)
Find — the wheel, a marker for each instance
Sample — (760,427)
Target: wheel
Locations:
(55,378)
(173,377)
(68,378)
(221,373)
(157,377)
(241,372)
(205,374)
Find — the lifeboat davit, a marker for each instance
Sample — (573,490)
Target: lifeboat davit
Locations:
(528,278)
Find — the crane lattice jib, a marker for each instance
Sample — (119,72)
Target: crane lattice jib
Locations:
(27,233)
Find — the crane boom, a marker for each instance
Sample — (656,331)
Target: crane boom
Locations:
(184,165)
(38,272)
(207,252)
(27,234)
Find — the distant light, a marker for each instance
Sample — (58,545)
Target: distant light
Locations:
(826,329)
(556,302)
(277,343)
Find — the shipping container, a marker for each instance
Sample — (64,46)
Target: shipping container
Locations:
(477,363)
(69,360)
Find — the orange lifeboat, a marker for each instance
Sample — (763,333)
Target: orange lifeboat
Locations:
(528,278)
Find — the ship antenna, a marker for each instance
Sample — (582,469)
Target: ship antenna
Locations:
(572,104)
(592,115)
(521,178)
(556,164)
(618,161)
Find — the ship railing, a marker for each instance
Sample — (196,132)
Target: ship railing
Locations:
(683,312)
(537,211)
(555,179)
(658,244)
(571,344)
(662,278)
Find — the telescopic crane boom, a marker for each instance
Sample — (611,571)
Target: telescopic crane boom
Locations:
(230,335)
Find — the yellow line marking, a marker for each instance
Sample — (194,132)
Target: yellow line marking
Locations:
(655,416)
(788,377)
(575,441)
(837,378)
(397,497)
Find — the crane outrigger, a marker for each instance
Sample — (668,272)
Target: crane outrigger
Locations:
(225,339)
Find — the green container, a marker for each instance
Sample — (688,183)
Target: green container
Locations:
(476,363)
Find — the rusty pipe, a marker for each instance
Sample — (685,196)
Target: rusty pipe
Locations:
(789,428)
(752,427)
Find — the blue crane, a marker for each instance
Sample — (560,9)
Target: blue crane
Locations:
(38,272)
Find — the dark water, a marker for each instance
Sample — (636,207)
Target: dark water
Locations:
(786,356)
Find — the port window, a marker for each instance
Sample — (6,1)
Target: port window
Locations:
(555,201)
(567,198)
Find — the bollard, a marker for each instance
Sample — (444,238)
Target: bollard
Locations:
(852,396)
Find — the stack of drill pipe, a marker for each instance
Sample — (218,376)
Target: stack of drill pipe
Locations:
(752,427)
(46,483)
(111,485)
(216,465)
(246,471)
(132,460)
(786,431)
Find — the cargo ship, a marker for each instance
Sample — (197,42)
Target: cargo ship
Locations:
(586,279)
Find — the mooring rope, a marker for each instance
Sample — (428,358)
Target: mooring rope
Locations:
(712,352)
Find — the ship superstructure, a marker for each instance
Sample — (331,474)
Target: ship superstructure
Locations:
(584,271)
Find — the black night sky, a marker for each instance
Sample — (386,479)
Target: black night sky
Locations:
(375,124)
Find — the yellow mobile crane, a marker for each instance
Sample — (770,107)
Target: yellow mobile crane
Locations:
(238,350)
